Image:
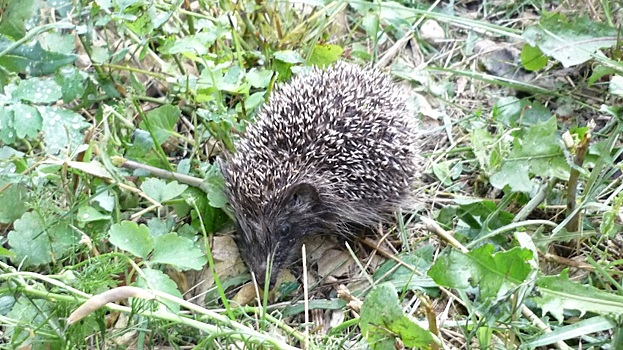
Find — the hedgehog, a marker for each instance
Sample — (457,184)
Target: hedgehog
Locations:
(331,150)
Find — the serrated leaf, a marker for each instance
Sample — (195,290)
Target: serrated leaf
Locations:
(537,152)
(33,60)
(160,122)
(532,58)
(130,236)
(161,191)
(35,241)
(382,321)
(514,174)
(558,293)
(540,149)
(570,42)
(493,272)
(178,251)
(159,281)
(140,21)
(30,120)
(17,195)
(62,128)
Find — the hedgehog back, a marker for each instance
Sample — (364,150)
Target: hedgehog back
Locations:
(346,130)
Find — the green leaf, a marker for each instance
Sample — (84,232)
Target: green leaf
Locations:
(178,251)
(212,218)
(14,17)
(404,278)
(514,174)
(35,241)
(61,128)
(558,293)
(129,236)
(570,42)
(532,58)
(537,152)
(33,59)
(616,85)
(288,56)
(161,191)
(215,183)
(71,82)
(32,314)
(191,45)
(324,55)
(442,172)
(38,90)
(30,120)
(159,281)
(5,253)
(600,72)
(90,214)
(382,321)
(487,150)
(482,267)
(252,102)
(161,121)
(7,125)
(259,78)
(17,195)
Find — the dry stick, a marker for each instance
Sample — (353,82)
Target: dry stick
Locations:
(306,296)
(161,173)
(574,224)
(432,226)
(400,44)
(535,201)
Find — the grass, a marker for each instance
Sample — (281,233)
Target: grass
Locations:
(515,244)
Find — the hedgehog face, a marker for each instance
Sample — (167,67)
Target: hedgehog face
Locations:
(278,231)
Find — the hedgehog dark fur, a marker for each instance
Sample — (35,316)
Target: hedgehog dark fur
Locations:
(331,149)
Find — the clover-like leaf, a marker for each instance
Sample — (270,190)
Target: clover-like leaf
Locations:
(178,251)
(36,241)
(130,236)
(161,191)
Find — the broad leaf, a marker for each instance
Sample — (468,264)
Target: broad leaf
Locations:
(570,42)
(178,251)
(128,235)
(382,321)
(494,273)
(159,281)
(161,191)
(36,241)
(557,294)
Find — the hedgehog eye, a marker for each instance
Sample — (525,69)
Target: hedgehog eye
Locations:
(283,230)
